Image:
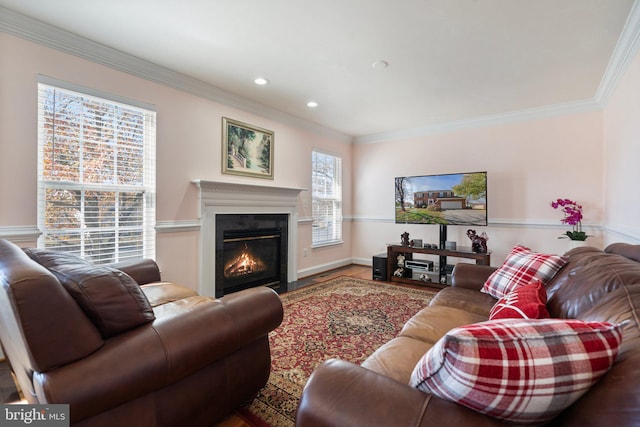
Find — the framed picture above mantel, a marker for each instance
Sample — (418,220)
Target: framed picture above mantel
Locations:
(246,149)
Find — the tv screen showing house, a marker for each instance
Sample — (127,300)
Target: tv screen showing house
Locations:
(449,199)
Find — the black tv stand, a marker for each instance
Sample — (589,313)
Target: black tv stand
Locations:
(443,236)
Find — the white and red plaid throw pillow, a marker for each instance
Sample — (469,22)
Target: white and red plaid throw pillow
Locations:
(526,302)
(522,266)
(524,371)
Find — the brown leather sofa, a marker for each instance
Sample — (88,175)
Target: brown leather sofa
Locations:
(124,348)
(595,285)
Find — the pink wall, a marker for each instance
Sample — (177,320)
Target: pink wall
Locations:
(528,164)
(188,148)
(621,155)
(588,157)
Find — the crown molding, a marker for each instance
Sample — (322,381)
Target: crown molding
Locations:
(536,113)
(624,52)
(47,35)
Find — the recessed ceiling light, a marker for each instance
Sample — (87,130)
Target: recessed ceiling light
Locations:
(312,104)
(261,81)
(380,65)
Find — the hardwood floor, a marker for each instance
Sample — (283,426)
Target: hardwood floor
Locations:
(353,270)
(9,394)
(8,391)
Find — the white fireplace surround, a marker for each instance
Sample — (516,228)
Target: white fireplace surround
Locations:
(221,198)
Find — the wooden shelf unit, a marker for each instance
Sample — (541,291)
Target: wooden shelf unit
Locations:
(394,250)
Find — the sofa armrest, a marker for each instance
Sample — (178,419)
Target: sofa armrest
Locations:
(143,271)
(343,394)
(470,276)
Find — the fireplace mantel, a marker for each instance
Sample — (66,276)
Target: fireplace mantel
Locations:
(233,198)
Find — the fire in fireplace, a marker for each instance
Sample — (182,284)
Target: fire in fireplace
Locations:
(251,258)
(251,252)
(242,265)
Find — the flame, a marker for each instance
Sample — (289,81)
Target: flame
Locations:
(242,265)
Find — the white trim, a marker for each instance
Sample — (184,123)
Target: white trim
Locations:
(25,233)
(496,222)
(328,244)
(626,232)
(625,51)
(575,107)
(84,91)
(363,261)
(371,219)
(538,223)
(231,198)
(47,35)
(181,226)
(306,272)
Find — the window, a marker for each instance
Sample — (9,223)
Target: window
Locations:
(96,175)
(326,203)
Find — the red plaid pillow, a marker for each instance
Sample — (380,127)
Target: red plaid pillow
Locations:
(526,302)
(522,266)
(522,371)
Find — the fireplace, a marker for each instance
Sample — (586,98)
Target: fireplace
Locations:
(218,199)
(251,250)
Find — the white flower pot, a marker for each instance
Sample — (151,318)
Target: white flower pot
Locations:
(577,243)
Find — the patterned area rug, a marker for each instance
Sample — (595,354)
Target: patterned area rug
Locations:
(343,318)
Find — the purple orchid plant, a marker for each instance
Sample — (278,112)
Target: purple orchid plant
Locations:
(572,216)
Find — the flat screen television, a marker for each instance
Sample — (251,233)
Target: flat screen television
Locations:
(445,199)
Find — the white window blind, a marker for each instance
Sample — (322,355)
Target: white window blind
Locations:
(326,199)
(96,176)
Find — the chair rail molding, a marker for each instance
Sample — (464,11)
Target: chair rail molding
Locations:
(20,233)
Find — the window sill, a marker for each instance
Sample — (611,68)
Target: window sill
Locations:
(326,244)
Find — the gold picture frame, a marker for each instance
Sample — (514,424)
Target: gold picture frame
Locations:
(246,149)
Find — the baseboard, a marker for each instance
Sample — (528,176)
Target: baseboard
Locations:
(311,271)
(363,261)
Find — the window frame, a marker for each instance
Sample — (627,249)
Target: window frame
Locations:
(122,228)
(335,217)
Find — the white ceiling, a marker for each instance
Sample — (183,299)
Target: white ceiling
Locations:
(449,60)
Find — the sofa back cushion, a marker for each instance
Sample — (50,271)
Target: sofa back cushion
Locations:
(41,326)
(143,271)
(111,298)
(589,282)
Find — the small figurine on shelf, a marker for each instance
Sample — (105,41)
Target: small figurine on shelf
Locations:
(401,259)
(404,239)
(400,270)
(478,242)
(424,277)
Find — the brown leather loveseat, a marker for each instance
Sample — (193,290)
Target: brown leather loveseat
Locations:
(124,348)
(594,285)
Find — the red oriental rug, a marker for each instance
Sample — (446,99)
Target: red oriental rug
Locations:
(345,318)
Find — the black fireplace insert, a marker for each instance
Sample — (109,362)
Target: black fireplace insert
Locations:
(251,250)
